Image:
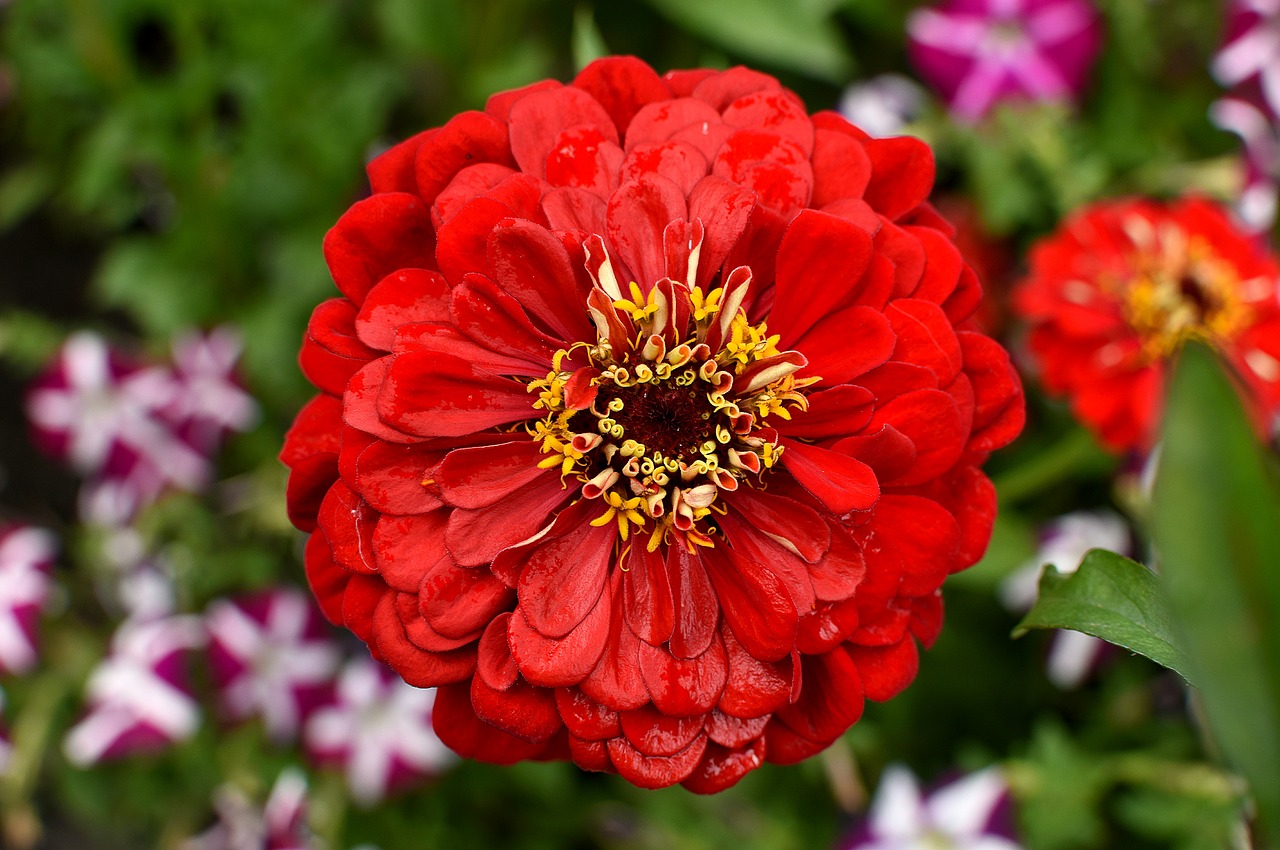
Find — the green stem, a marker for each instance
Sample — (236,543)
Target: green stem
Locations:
(1057,463)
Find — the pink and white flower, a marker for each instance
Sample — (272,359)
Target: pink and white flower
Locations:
(139,697)
(378,731)
(271,657)
(1260,134)
(26,559)
(976,53)
(280,824)
(970,813)
(1250,58)
(210,402)
(1063,544)
(884,105)
(100,413)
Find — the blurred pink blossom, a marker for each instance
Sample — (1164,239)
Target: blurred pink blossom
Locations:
(139,697)
(1250,58)
(1260,134)
(976,53)
(210,402)
(378,731)
(271,656)
(26,559)
(280,824)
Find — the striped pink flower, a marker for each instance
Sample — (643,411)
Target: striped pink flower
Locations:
(26,557)
(977,53)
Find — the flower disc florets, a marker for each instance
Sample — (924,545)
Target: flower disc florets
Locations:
(647,430)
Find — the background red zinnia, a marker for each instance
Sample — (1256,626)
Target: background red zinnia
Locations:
(646,431)
(1119,289)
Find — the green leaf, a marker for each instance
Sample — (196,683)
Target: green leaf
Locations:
(797,38)
(1112,598)
(1216,527)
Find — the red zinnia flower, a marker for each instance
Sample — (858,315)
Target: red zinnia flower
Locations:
(646,432)
(1117,291)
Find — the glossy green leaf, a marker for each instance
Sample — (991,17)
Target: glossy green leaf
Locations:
(1216,525)
(799,39)
(1112,598)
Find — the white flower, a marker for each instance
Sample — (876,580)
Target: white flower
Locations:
(884,105)
(957,816)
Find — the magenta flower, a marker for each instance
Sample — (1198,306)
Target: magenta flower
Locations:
(139,698)
(378,731)
(210,402)
(271,656)
(976,53)
(26,558)
(103,415)
(1250,58)
(280,824)
(971,813)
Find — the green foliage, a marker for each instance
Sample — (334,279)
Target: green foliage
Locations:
(1113,598)
(1216,526)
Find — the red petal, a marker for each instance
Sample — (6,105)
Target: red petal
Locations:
(309,483)
(469,138)
(557,663)
(314,430)
(847,344)
(684,688)
(327,580)
(840,482)
(696,610)
(724,209)
(622,85)
(524,711)
(360,403)
(582,157)
(886,670)
(532,266)
(564,577)
(331,353)
(474,181)
(828,627)
(820,258)
(841,168)
(537,120)
(494,663)
(401,298)
(590,755)
(925,338)
(479,476)
(377,236)
(392,477)
(477,536)
(616,682)
(655,734)
(405,547)
(457,725)
(348,522)
(753,688)
(417,666)
(499,105)
(655,771)
(729,731)
(915,537)
(901,176)
(440,396)
(722,767)
(836,412)
(647,604)
(683,164)
(1000,410)
(586,718)
(496,321)
(638,213)
(658,122)
(755,603)
(783,518)
(393,169)
(931,420)
(837,575)
(458,601)
(361,598)
(830,701)
(463,242)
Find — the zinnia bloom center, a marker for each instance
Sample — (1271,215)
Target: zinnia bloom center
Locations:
(669,407)
(1183,291)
